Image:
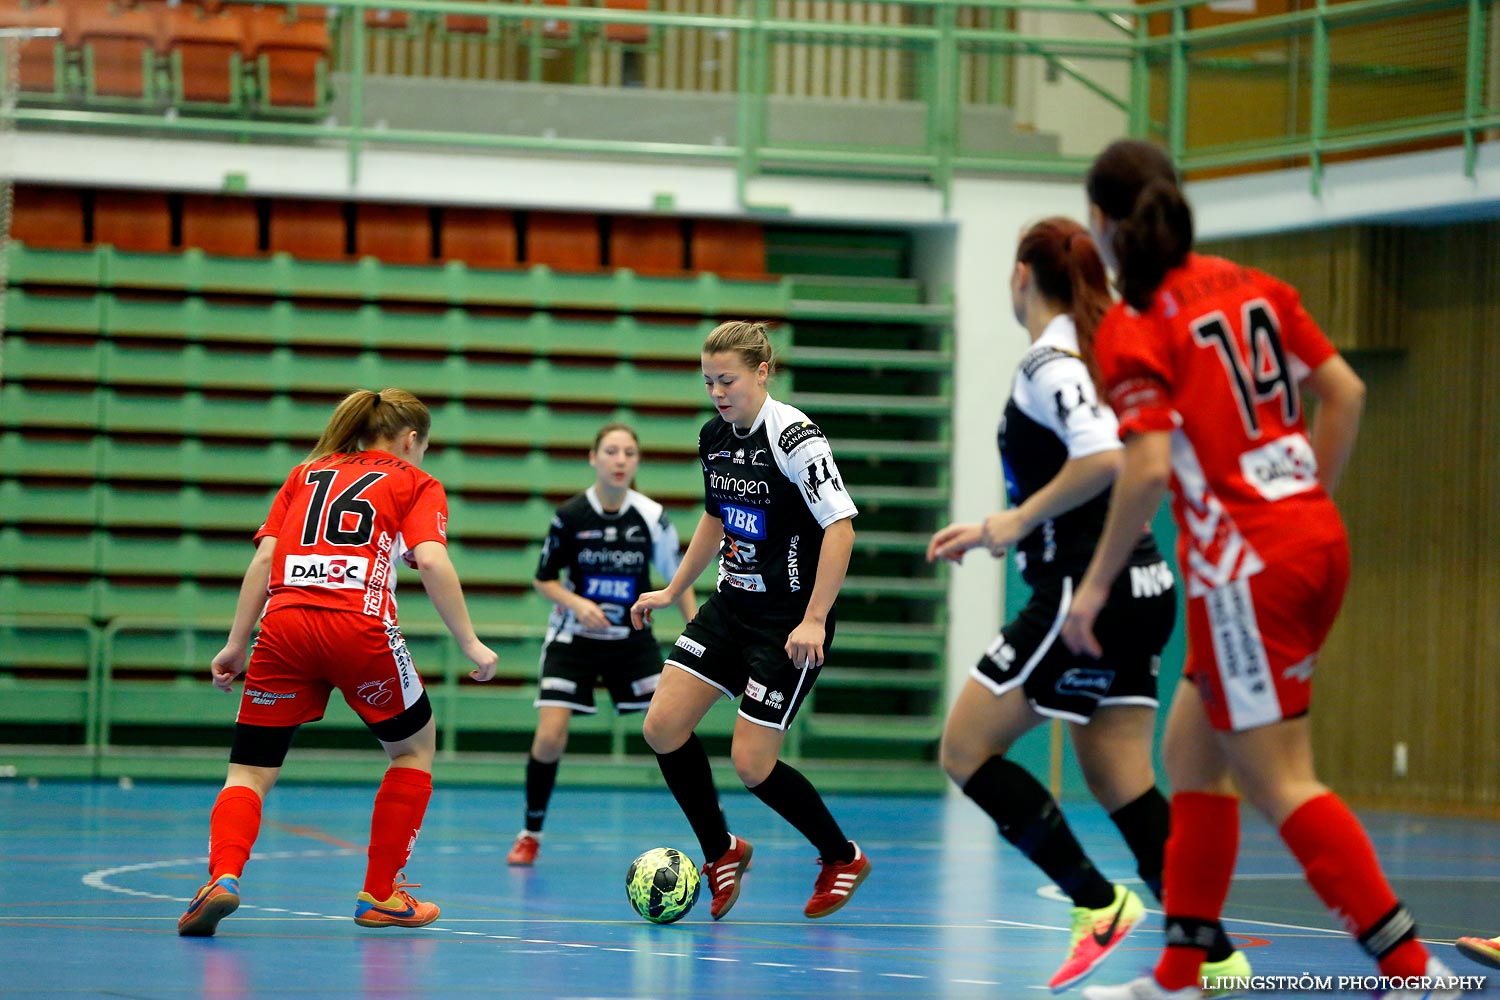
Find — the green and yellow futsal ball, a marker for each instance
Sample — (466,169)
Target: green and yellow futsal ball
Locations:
(662,885)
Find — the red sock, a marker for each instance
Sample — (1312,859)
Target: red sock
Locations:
(1341,866)
(399,807)
(232,829)
(1196,873)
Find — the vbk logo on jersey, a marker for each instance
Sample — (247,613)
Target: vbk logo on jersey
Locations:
(718,454)
(337,572)
(609,588)
(743,521)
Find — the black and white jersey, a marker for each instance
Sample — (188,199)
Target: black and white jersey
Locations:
(608,558)
(1054,415)
(775,487)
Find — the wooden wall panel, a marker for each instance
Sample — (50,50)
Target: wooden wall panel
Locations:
(1413,658)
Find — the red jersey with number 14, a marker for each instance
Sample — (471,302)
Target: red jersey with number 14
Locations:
(1216,361)
(341,522)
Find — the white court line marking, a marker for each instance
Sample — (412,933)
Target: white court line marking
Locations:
(975,982)
(901,975)
(715,958)
(776,965)
(822,969)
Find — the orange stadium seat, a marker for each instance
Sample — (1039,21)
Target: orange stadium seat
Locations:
(479,237)
(119,48)
(291,58)
(729,248)
(648,246)
(133,220)
(221,224)
(396,234)
(564,242)
(48,217)
(627,34)
(313,230)
(41,58)
(204,53)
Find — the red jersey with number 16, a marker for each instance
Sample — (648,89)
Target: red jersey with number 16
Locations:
(1216,361)
(339,524)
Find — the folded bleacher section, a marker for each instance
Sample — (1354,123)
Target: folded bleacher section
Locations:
(169,357)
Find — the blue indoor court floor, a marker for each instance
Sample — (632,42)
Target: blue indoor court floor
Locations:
(93,877)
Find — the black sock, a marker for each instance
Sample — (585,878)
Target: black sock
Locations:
(688,775)
(1144,823)
(1029,818)
(540,778)
(788,792)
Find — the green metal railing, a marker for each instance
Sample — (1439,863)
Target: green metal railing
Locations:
(1319,69)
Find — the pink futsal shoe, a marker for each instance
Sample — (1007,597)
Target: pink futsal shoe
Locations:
(836,883)
(723,876)
(213,903)
(1095,935)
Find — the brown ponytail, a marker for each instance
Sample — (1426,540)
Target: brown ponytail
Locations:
(1068,271)
(365,417)
(1134,183)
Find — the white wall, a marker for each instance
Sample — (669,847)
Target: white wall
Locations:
(1057,104)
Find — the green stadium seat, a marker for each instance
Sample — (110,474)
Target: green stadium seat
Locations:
(74,312)
(199,557)
(41,454)
(49,502)
(189,507)
(185,600)
(31,360)
(47,673)
(49,406)
(41,597)
(35,549)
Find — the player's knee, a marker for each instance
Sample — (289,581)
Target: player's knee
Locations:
(752,767)
(661,733)
(960,759)
(548,745)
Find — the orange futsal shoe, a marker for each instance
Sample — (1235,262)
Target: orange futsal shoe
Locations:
(401,910)
(213,903)
(523,852)
(836,883)
(723,876)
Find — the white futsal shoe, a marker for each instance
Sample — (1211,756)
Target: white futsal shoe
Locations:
(1144,988)
(1442,984)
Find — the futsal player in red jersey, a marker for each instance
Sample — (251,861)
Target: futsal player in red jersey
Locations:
(326,557)
(1205,362)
